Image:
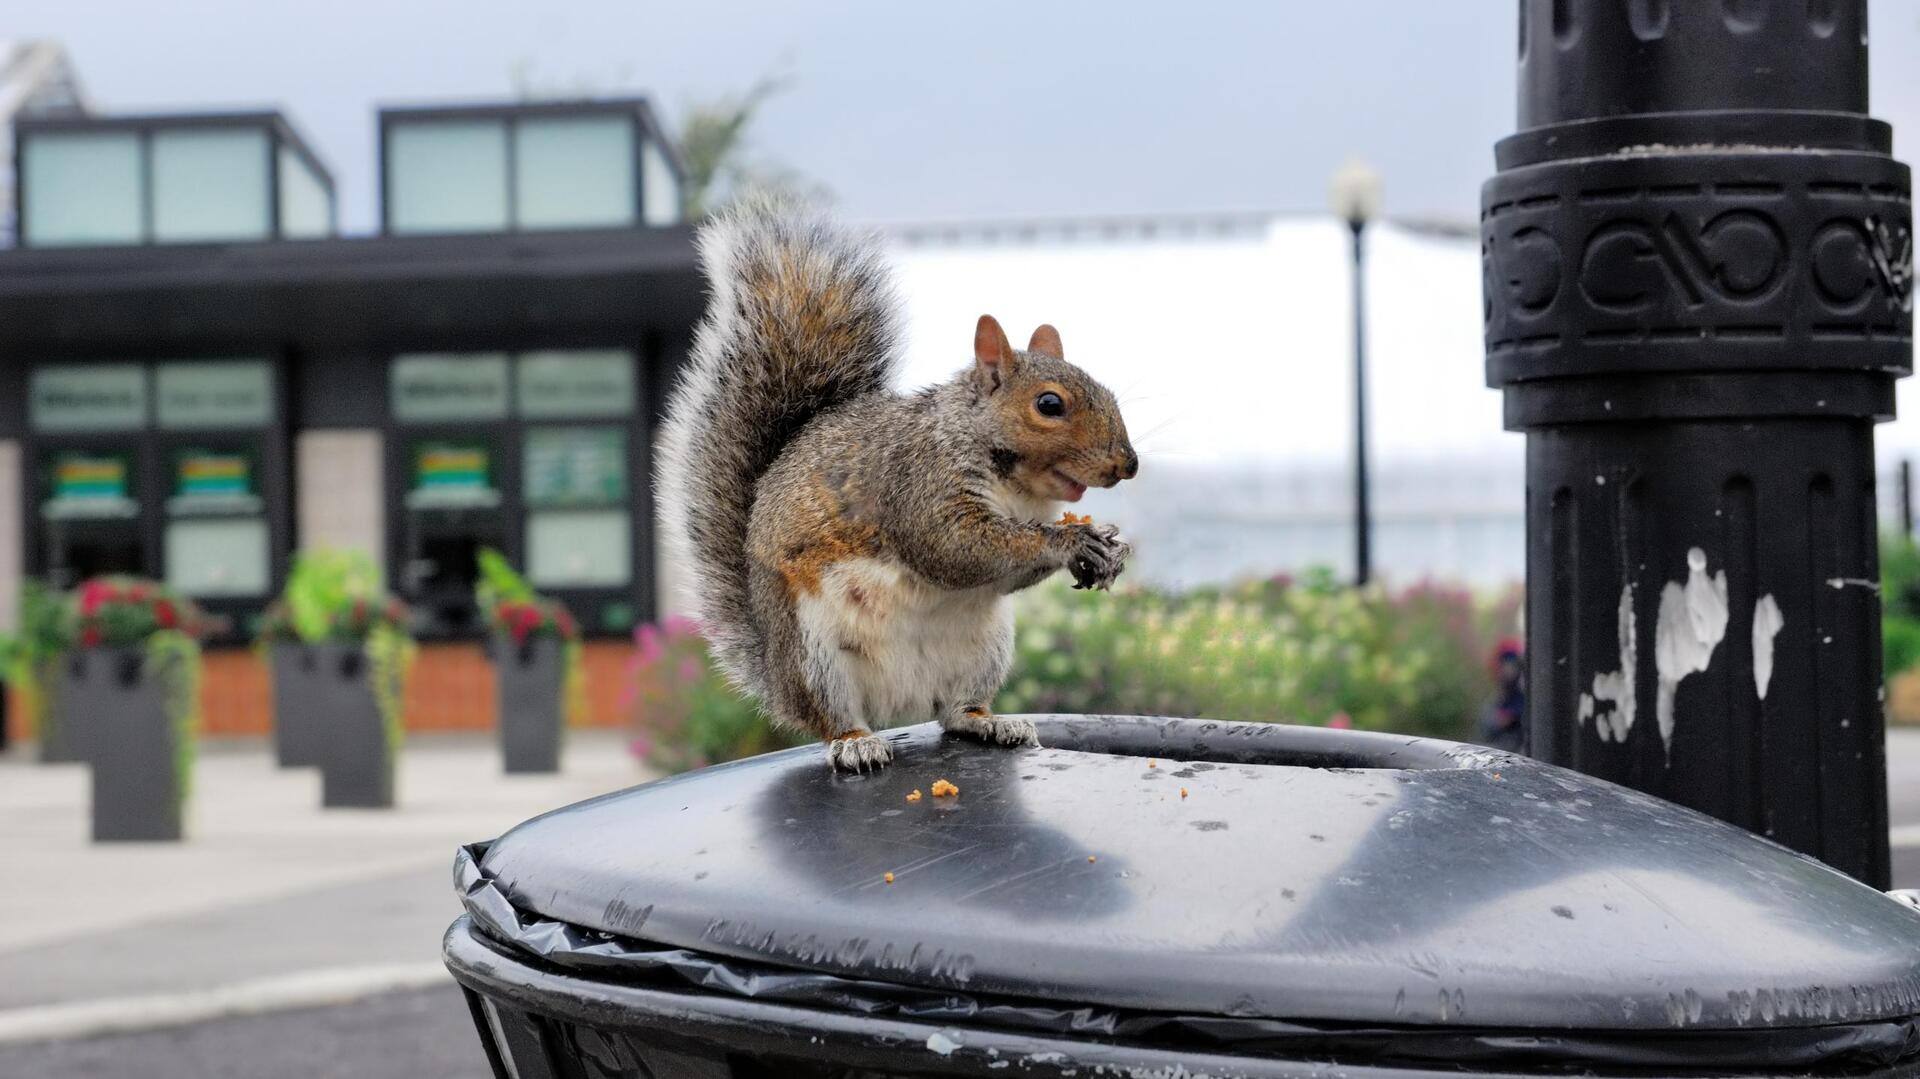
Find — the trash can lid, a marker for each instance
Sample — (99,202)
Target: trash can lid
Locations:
(1240,870)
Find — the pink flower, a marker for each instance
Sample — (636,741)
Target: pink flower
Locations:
(641,747)
(647,640)
(679,625)
(1341,721)
(689,670)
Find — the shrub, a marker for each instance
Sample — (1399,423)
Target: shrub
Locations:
(335,597)
(684,712)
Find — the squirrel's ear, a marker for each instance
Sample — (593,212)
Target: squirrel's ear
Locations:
(992,354)
(1046,341)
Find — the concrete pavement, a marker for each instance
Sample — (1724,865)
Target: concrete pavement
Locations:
(269,893)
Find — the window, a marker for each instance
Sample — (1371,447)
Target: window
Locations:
(218,558)
(306,207)
(661,188)
(579,532)
(82,188)
(447,176)
(125,182)
(210,185)
(580,549)
(574,172)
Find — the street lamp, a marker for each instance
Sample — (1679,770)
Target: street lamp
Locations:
(1355,197)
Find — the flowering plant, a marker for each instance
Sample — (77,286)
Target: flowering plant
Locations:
(332,596)
(119,610)
(684,712)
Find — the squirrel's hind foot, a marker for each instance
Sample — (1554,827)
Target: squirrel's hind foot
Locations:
(984,725)
(859,751)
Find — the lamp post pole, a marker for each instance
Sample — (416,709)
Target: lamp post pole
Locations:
(1362,510)
(1698,264)
(1355,198)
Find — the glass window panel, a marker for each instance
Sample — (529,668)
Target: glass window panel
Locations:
(583,382)
(210,185)
(580,548)
(447,176)
(236,393)
(82,189)
(94,397)
(575,466)
(306,209)
(215,558)
(574,172)
(661,195)
(450,386)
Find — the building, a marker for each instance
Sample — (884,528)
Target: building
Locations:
(36,79)
(199,376)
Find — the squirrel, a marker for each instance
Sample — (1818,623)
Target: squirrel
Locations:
(852,549)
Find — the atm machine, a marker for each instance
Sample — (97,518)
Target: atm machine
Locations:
(452,510)
(89,520)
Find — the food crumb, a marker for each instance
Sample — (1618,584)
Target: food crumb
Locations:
(1068,517)
(1183,792)
(1090,858)
(1151,763)
(915,796)
(889,878)
(944,789)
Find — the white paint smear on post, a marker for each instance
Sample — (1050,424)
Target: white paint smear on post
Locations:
(1614,689)
(1767,624)
(1692,622)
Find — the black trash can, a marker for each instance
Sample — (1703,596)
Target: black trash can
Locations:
(1170,898)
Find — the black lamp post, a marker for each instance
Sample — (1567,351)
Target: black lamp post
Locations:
(1698,260)
(1355,197)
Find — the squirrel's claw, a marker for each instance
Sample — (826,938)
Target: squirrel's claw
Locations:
(864,752)
(1101,558)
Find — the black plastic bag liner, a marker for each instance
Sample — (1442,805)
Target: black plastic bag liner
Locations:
(1264,908)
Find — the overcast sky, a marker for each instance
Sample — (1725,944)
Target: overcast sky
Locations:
(904,110)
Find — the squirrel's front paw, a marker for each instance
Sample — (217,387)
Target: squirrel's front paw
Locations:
(1101,556)
(859,751)
(984,725)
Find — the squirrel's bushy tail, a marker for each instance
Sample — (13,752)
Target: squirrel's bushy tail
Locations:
(802,316)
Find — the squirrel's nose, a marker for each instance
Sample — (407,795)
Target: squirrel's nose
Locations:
(1130,467)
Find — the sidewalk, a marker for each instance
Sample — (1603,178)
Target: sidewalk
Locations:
(270,901)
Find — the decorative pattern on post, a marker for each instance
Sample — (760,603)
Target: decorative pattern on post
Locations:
(1698,265)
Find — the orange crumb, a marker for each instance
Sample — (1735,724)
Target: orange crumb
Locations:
(1183,792)
(1070,518)
(944,789)
(1090,858)
(914,797)
(889,878)
(1151,763)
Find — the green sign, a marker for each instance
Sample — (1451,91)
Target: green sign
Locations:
(576,466)
(93,397)
(228,394)
(580,383)
(442,386)
(452,474)
(89,485)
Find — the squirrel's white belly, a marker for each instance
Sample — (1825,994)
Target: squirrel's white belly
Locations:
(885,646)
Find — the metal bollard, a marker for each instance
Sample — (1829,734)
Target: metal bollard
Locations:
(1698,285)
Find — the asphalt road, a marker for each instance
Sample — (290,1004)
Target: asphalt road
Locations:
(424,1034)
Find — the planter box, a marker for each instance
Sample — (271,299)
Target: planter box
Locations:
(133,744)
(532,704)
(296,690)
(60,732)
(356,756)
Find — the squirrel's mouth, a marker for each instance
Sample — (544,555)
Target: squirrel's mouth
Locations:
(1070,489)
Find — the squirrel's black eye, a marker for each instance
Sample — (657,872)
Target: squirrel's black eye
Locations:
(1050,404)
